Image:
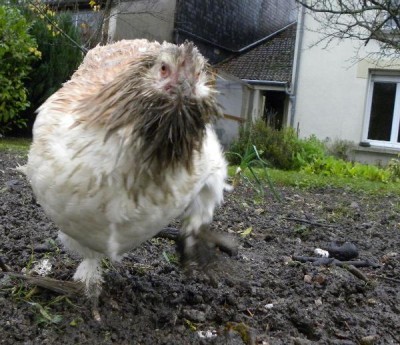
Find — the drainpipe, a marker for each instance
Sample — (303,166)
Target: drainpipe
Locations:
(292,92)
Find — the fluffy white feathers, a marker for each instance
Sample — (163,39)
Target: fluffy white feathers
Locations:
(126,146)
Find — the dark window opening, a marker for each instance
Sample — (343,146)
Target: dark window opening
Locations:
(382,107)
(274,108)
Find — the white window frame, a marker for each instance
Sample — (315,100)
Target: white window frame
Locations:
(382,78)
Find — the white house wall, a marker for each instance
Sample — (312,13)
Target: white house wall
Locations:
(332,91)
(231,98)
(330,94)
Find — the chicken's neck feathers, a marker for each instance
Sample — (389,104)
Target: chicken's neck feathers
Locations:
(169,128)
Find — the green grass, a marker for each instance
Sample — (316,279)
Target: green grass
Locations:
(16,144)
(311,181)
(279,177)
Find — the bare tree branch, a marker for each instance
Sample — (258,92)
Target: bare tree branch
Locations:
(362,20)
(56,27)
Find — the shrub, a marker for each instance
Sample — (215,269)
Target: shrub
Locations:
(309,150)
(331,166)
(341,149)
(393,168)
(60,58)
(282,149)
(277,147)
(17,50)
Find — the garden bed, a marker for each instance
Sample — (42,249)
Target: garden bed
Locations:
(260,296)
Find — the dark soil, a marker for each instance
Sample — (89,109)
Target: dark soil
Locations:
(259,296)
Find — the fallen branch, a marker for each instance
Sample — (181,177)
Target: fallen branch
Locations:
(381,276)
(300,220)
(356,272)
(60,286)
(334,262)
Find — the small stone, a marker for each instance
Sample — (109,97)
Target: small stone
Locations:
(321,252)
(371,301)
(42,268)
(42,248)
(354,205)
(194,315)
(14,185)
(369,340)
(286,259)
(387,257)
(307,279)
(318,302)
(207,334)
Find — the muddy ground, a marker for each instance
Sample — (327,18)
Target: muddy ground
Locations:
(259,296)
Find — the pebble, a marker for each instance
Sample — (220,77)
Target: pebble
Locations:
(207,334)
(194,315)
(321,252)
(354,205)
(369,340)
(308,279)
(14,185)
(42,268)
(42,248)
(287,259)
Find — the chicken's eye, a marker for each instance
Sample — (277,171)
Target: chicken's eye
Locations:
(164,70)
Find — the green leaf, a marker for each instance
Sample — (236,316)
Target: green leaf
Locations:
(246,232)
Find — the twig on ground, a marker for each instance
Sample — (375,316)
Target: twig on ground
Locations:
(356,272)
(60,286)
(334,262)
(310,222)
(381,276)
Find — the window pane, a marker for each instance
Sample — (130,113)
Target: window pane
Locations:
(380,124)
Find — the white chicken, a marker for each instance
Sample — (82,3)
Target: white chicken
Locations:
(126,146)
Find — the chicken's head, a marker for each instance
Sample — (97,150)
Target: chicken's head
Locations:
(181,71)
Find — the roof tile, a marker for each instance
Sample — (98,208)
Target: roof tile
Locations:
(272,60)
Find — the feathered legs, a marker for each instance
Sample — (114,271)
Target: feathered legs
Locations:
(89,271)
(199,215)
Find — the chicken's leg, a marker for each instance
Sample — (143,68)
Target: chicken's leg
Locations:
(197,218)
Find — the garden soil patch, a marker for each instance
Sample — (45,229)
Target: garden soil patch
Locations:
(259,296)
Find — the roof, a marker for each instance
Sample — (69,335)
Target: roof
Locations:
(271,60)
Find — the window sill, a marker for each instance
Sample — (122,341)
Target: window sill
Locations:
(377,149)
